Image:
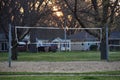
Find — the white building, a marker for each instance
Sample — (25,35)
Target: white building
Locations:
(62,44)
(83,41)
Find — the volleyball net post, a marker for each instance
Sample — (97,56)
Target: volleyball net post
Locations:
(107,44)
(10,45)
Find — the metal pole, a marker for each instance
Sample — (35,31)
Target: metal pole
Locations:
(10,46)
(65,35)
(107,43)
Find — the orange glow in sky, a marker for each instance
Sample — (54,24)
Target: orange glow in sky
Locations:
(59,13)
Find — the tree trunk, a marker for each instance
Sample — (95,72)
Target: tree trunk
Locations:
(14,50)
(32,46)
(14,53)
(103,50)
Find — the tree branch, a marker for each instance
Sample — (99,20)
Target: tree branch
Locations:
(95,5)
(105,4)
(66,1)
(113,12)
(74,13)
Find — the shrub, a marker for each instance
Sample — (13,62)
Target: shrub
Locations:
(93,47)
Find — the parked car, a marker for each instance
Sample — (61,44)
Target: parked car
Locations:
(47,48)
(22,46)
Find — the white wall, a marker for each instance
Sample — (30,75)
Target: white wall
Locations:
(82,46)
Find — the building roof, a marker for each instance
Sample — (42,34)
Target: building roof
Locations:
(115,35)
(49,34)
(82,36)
(2,36)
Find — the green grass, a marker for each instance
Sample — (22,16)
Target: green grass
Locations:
(114,56)
(58,73)
(14,76)
(59,78)
(62,56)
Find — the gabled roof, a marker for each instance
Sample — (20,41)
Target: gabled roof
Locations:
(83,36)
(49,34)
(115,35)
(2,35)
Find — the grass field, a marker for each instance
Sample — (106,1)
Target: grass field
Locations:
(59,76)
(62,56)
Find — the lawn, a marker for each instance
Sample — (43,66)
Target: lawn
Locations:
(62,56)
(59,76)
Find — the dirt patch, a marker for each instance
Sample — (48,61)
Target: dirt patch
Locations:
(75,66)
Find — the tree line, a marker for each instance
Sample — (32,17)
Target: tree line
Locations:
(75,13)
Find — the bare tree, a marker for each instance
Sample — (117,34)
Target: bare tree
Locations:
(19,13)
(95,13)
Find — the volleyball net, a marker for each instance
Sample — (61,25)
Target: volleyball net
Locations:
(64,38)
